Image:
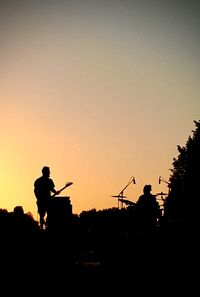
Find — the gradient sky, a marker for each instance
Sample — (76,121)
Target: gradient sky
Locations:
(99,91)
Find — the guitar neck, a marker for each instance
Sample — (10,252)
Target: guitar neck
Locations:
(62,189)
(67,185)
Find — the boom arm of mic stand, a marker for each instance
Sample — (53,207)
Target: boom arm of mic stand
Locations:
(132,180)
(161,179)
(121,194)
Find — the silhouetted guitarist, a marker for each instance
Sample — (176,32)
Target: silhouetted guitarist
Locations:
(43,187)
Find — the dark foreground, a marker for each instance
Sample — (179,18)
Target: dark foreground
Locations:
(164,262)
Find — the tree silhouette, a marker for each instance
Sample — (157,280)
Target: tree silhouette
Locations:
(183,196)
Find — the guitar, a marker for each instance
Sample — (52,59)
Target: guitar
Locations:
(66,185)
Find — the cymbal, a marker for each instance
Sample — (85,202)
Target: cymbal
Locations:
(161,193)
(128,202)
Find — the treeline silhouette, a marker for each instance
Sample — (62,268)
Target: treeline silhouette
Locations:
(106,251)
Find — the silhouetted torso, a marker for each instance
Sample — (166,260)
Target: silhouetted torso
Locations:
(148,210)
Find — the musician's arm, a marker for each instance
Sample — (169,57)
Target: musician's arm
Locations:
(55,191)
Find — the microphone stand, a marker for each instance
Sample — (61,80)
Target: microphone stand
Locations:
(161,179)
(121,194)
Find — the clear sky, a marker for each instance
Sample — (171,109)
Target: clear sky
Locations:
(99,91)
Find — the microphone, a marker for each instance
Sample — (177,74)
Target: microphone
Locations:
(159,181)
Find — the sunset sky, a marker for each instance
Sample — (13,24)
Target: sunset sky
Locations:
(99,91)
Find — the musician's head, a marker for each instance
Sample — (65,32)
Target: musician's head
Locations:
(46,171)
(147,189)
